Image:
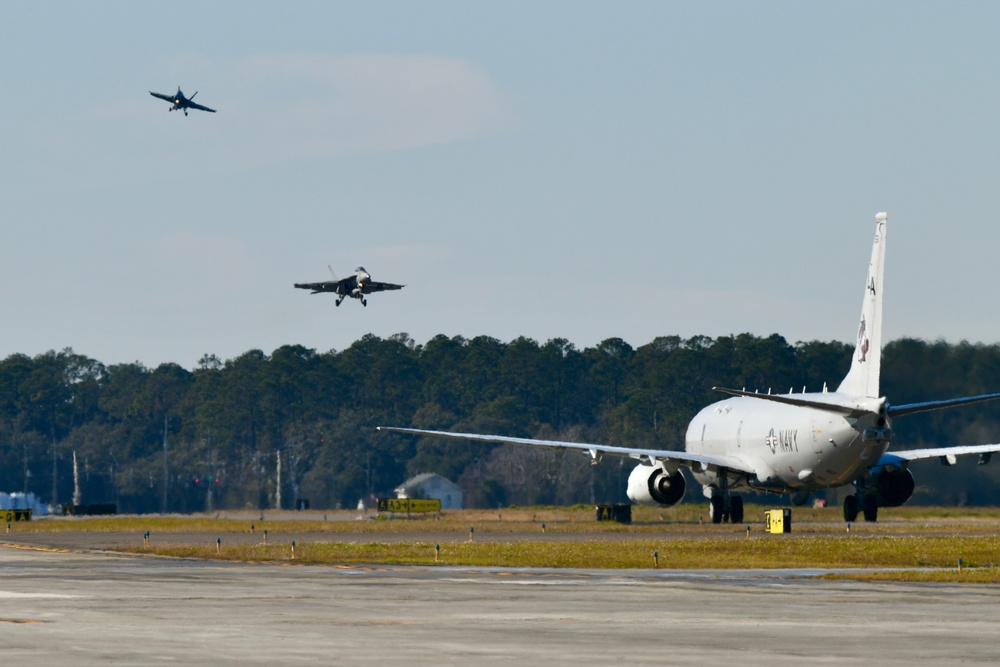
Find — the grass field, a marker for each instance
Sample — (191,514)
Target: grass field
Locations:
(911,544)
(576,519)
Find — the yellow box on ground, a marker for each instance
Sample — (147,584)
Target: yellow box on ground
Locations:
(778,521)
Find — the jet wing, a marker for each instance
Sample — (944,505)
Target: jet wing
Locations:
(168,98)
(368,288)
(327,286)
(698,461)
(936,453)
(195,105)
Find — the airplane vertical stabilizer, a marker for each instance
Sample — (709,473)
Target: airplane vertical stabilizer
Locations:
(862,378)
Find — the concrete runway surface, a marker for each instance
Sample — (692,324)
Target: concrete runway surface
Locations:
(95,608)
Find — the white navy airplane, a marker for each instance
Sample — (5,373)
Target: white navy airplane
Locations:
(794,443)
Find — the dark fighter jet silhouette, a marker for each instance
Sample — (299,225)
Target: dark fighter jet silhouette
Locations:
(356,286)
(180,102)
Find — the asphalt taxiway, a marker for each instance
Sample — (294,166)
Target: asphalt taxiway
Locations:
(94,608)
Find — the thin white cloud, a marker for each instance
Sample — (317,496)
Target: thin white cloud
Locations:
(304,105)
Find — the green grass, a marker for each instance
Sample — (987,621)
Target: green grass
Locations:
(578,519)
(762,551)
(919,544)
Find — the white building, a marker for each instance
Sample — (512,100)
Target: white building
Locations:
(430,485)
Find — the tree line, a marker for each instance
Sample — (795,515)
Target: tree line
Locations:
(275,431)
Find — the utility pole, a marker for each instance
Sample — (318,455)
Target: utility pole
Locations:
(77,497)
(277,492)
(293,462)
(24,448)
(55,474)
(163,501)
(212,472)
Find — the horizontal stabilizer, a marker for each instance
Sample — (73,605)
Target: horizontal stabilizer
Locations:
(830,402)
(911,408)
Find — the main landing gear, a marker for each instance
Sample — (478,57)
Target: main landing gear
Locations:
(722,506)
(719,513)
(867,503)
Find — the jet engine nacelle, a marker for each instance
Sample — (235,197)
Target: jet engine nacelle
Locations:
(652,485)
(894,487)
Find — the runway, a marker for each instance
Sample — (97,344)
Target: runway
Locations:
(92,608)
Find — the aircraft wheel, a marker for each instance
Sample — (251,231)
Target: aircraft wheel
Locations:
(850,508)
(736,509)
(871,508)
(715,509)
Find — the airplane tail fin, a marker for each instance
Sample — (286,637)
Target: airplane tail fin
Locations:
(863,377)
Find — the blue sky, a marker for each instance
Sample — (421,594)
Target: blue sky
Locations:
(562,169)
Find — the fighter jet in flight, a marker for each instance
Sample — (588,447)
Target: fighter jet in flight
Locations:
(356,286)
(181,102)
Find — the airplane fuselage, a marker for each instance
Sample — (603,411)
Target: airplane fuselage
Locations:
(789,448)
(353,286)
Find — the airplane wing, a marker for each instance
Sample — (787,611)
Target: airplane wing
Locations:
(195,105)
(936,453)
(698,461)
(168,98)
(327,286)
(370,287)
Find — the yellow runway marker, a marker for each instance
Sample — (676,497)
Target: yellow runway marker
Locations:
(28,547)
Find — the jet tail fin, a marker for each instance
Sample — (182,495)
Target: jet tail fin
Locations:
(863,377)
